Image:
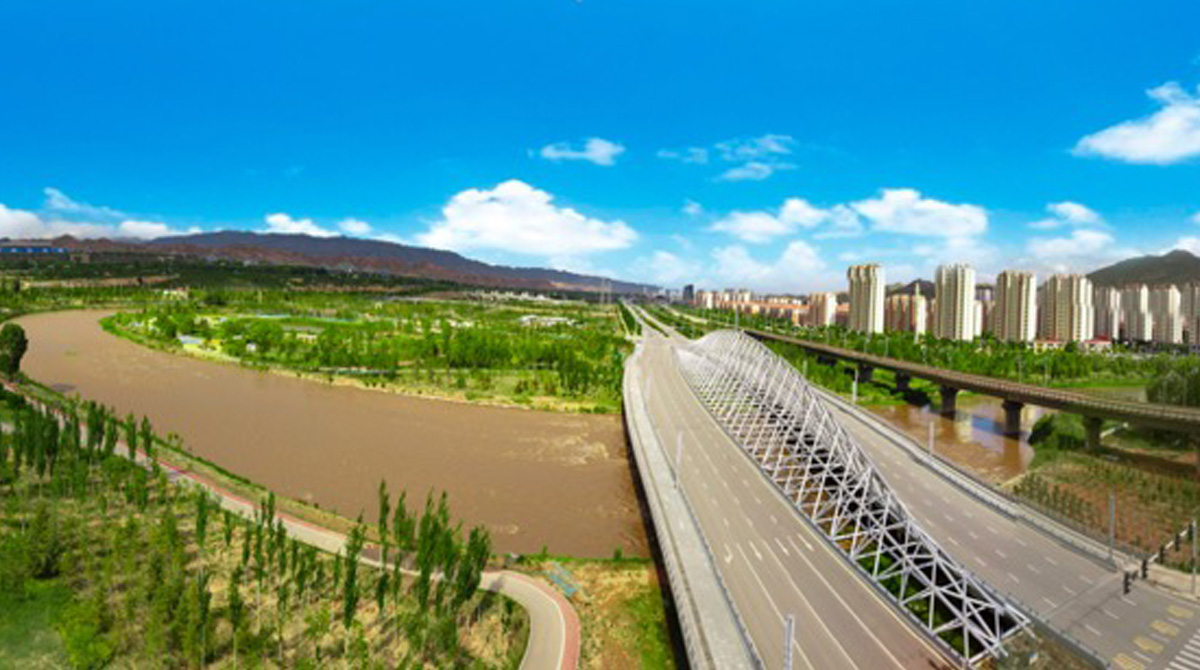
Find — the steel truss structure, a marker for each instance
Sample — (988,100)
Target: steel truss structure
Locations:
(774,415)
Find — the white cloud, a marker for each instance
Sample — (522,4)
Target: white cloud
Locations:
(595,150)
(518,218)
(354,227)
(843,222)
(904,211)
(1196,218)
(692,208)
(284,224)
(667,268)
(798,268)
(1084,249)
(694,155)
(753,171)
(758,227)
(1190,244)
(755,148)
(1169,135)
(1067,213)
(59,205)
(22,224)
(754,158)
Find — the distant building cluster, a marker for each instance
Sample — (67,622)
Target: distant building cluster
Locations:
(1065,308)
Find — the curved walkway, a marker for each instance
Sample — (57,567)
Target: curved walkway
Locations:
(554,631)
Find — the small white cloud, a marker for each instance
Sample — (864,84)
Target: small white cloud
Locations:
(1189,244)
(518,218)
(692,208)
(354,227)
(693,155)
(758,227)
(22,224)
(1169,135)
(1084,249)
(595,150)
(59,205)
(755,148)
(1196,218)
(905,211)
(1067,213)
(753,171)
(668,268)
(798,268)
(284,224)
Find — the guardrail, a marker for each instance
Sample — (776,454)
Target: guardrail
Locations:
(696,642)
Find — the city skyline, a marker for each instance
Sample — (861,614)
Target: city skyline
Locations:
(989,157)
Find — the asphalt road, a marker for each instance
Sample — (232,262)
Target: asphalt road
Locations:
(1075,593)
(771,560)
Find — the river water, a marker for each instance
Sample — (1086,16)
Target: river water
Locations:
(533,478)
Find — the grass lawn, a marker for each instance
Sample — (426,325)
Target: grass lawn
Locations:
(28,638)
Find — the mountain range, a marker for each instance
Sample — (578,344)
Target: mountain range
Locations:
(1175,267)
(356,254)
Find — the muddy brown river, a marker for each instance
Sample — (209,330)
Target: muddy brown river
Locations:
(533,478)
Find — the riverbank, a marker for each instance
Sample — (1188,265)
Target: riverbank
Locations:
(534,479)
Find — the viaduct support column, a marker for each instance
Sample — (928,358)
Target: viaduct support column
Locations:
(1012,417)
(1092,425)
(949,400)
(865,372)
(902,382)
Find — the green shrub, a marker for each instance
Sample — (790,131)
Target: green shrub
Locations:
(1059,431)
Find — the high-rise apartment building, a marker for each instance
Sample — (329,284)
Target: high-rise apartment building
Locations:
(822,309)
(954,286)
(906,313)
(1135,313)
(866,298)
(1107,300)
(1065,309)
(1015,316)
(689,294)
(1167,326)
(1189,305)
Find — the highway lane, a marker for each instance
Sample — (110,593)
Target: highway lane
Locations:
(771,560)
(1076,593)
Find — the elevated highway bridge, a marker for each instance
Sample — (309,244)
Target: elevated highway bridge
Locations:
(1015,395)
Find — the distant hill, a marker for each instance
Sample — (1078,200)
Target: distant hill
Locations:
(1175,267)
(360,255)
(917,286)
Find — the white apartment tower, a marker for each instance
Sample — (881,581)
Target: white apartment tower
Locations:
(1135,313)
(907,313)
(1108,312)
(1016,306)
(866,298)
(1165,312)
(1066,309)
(822,309)
(954,286)
(1190,306)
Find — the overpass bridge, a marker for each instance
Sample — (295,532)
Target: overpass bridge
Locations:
(794,521)
(1015,395)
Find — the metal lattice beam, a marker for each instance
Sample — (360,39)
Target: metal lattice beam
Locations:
(773,414)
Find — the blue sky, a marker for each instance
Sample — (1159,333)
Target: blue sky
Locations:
(762,144)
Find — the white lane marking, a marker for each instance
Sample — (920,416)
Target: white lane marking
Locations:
(1014,578)
(1110,614)
(771,601)
(806,544)
(1033,569)
(1051,602)
(1069,590)
(953,541)
(993,531)
(755,550)
(972,534)
(1093,631)
(1001,554)
(1086,580)
(728,555)
(1127,601)
(1051,561)
(1021,542)
(774,520)
(782,548)
(948,517)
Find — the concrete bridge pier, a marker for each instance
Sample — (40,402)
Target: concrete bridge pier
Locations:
(1012,417)
(1092,426)
(902,382)
(865,372)
(949,400)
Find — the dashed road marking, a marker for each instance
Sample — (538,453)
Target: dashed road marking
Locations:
(1165,628)
(1126,663)
(1181,612)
